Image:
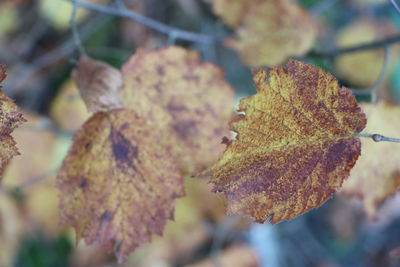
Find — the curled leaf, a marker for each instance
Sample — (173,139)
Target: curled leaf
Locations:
(268,31)
(118,186)
(98,84)
(376,175)
(295,145)
(186,99)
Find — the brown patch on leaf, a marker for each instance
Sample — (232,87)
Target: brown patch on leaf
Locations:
(98,84)
(185,99)
(295,144)
(376,175)
(268,31)
(121,189)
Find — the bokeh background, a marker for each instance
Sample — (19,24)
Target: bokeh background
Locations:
(39,50)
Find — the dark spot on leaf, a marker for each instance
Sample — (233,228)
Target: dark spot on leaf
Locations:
(185,128)
(334,155)
(124,152)
(160,71)
(83,183)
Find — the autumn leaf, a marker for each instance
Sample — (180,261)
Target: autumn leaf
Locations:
(186,99)
(296,144)
(118,186)
(268,31)
(363,68)
(10,118)
(68,109)
(376,176)
(98,84)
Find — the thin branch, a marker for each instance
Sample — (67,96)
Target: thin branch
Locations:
(74,28)
(357,48)
(379,138)
(155,25)
(395,5)
(36,179)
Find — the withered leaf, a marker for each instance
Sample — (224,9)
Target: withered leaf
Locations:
(376,176)
(118,186)
(295,145)
(268,31)
(10,118)
(186,99)
(98,84)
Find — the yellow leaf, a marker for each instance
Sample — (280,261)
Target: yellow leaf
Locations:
(362,69)
(296,144)
(68,109)
(376,175)
(268,31)
(186,99)
(58,12)
(118,186)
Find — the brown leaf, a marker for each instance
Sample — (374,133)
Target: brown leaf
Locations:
(118,186)
(10,118)
(98,83)
(376,175)
(186,99)
(268,31)
(295,144)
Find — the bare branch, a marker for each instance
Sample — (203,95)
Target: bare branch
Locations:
(357,48)
(379,138)
(395,5)
(74,28)
(155,25)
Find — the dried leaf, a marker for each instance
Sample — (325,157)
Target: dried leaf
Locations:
(295,144)
(68,109)
(98,84)
(376,175)
(362,69)
(118,185)
(188,100)
(10,118)
(268,31)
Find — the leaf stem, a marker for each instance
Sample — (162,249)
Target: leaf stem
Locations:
(151,23)
(379,138)
(395,5)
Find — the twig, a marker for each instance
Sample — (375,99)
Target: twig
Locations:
(155,25)
(28,70)
(357,48)
(36,179)
(379,138)
(74,28)
(395,5)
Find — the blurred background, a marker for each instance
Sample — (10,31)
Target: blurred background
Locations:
(38,48)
